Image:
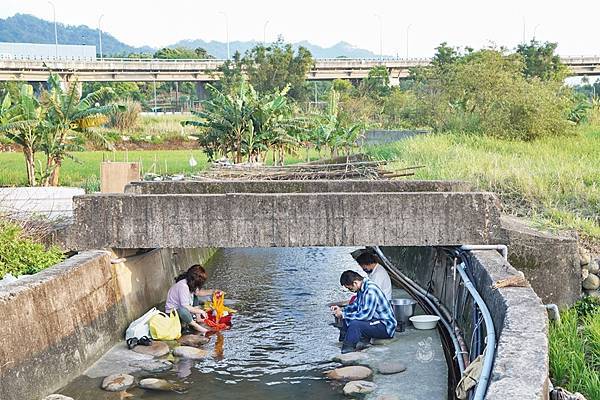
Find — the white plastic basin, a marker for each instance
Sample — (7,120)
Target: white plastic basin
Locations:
(424,321)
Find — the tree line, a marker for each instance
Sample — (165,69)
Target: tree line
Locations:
(263,103)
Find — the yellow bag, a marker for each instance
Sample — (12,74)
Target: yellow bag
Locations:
(165,327)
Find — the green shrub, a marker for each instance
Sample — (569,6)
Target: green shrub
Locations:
(20,254)
(126,119)
(485,92)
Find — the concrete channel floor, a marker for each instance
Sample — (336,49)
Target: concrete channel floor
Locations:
(421,352)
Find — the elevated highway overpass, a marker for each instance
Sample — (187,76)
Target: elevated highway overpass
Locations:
(160,70)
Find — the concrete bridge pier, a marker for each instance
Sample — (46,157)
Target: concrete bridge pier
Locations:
(201,90)
(67,80)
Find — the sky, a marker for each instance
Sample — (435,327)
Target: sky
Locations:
(396,27)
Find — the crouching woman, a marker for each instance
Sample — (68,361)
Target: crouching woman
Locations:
(369,316)
(182,297)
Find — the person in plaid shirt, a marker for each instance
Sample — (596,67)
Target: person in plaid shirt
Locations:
(369,316)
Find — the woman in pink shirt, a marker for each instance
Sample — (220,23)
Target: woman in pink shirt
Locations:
(181,297)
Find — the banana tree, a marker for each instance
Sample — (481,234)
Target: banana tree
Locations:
(68,114)
(23,124)
(226,119)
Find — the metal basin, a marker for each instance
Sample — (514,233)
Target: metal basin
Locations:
(403,309)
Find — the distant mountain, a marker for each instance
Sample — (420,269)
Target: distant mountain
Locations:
(24,28)
(219,49)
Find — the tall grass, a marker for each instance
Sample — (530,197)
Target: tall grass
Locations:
(575,353)
(553,181)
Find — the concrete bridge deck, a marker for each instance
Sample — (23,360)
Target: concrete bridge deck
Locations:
(283,219)
(149,70)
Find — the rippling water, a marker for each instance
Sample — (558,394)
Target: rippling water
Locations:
(281,341)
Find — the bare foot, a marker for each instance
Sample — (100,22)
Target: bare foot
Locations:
(198,327)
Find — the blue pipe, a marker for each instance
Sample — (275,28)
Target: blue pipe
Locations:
(488,360)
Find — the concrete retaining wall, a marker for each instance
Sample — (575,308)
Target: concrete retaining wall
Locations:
(549,261)
(58,322)
(310,186)
(521,366)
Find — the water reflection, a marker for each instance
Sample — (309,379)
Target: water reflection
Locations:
(281,341)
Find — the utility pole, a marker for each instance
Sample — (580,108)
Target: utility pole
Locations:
(265,33)
(100,35)
(380,36)
(55,30)
(227,31)
(407,29)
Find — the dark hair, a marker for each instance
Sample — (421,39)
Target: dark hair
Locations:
(367,258)
(195,277)
(348,277)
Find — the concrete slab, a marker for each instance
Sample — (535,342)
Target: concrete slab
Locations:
(284,220)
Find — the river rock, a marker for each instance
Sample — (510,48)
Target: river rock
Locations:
(593,267)
(117,382)
(389,367)
(584,257)
(193,340)
(592,282)
(359,387)
(190,353)
(157,384)
(156,349)
(351,373)
(153,366)
(57,397)
(584,273)
(592,293)
(352,358)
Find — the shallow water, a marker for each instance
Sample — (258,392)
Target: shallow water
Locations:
(281,341)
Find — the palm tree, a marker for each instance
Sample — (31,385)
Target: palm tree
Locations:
(23,123)
(68,113)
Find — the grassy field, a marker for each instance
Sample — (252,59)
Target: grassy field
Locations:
(575,353)
(84,171)
(554,182)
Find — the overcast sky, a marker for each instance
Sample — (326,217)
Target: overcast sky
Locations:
(474,23)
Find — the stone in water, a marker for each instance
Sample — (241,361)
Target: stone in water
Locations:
(353,373)
(117,382)
(359,387)
(190,353)
(156,349)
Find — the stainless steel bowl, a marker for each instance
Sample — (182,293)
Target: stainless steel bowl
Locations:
(403,309)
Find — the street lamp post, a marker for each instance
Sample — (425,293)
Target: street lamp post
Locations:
(265,32)
(407,29)
(380,36)
(100,35)
(55,30)
(227,31)
(534,31)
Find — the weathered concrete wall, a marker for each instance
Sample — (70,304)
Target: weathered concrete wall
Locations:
(283,220)
(310,186)
(549,261)
(58,322)
(28,202)
(521,366)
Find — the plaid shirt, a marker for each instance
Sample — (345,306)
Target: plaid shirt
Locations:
(371,305)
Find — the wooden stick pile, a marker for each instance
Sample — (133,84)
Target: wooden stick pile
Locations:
(353,170)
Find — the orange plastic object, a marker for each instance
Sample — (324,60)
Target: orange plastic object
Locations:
(216,309)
